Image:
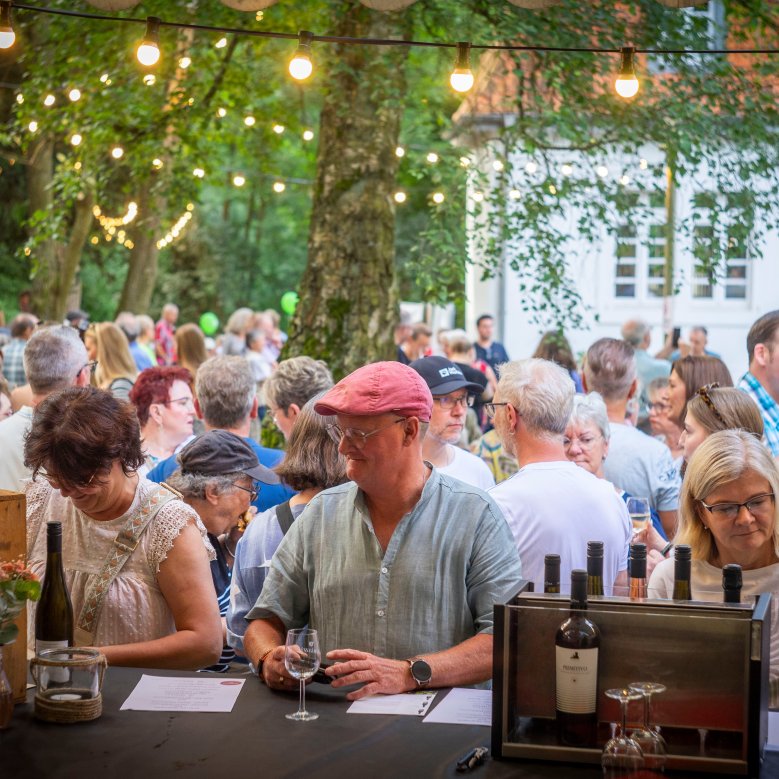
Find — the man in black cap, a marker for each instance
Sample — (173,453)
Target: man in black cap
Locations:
(452,395)
(218,478)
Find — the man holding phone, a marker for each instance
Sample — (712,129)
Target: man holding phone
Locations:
(399,569)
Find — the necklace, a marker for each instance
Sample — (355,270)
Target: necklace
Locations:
(229,551)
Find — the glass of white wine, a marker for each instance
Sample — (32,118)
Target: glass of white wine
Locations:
(301,659)
(640,516)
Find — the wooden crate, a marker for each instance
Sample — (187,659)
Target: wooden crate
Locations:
(13,544)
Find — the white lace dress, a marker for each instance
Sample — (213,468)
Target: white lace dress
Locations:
(134,608)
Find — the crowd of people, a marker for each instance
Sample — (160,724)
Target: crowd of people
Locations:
(408,499)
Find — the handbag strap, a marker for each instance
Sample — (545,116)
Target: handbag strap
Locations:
(125,543)
(284,516)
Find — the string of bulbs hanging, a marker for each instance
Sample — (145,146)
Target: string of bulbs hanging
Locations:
(301,65)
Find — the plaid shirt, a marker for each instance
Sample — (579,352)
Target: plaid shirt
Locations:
(13,363)
(768,409)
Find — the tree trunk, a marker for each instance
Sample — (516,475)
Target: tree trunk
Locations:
(348,294)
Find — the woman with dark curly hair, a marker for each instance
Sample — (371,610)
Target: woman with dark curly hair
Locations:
(128,545)
(163,401)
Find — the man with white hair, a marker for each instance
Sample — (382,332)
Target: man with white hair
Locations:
(55,358)
(551,505)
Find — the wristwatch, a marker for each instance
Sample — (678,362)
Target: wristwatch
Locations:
(421,672)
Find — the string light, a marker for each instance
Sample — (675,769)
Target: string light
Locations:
(150,79)
(400,151)
(49,100)
(156,163)
(300,66)
(626,84)
(432,158)
(465,162)
(249,121)
(112,222)
(308,135)
(104,78)
(239,180)
(75,139)
(198,173)
(185,62)
(32,126)
(400,197)
(279,187)
(602,171)
(531,167)
(462,77)
(177,229)
(438,198)
(625,180)
(221,112)
(74,95)
(566,169)
(278,129)
(117,152)
(148,52)
(20,98)
(7,34)
(221,43)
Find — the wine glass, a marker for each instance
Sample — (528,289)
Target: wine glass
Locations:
(301,659)
(640,516)
(651,742)
(622,755)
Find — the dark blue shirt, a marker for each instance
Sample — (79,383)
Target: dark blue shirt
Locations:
(495,354)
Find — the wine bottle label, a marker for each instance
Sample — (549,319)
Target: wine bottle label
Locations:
(58,675)
(577,680)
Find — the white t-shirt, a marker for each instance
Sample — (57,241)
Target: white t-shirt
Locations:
(469,468)
(556,508)
(12,434)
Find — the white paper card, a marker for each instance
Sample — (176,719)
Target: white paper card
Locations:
(175,693)
(773,731)
(464,706)
(414,703)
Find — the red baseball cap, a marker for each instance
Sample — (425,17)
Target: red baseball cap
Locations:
(379,388)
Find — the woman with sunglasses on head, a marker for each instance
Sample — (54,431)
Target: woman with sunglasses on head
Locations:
(156,605)
(166,411)
(728,514)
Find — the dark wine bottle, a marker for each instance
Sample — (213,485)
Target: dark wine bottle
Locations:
(54,615)
(682,565)
(637,571)
(576,654)
(595,568)
(731,583)
(552,573)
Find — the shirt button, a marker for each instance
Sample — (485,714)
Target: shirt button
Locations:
(385,569)
(380,613)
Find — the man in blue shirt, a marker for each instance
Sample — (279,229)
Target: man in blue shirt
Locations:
(226,399)
(492,352)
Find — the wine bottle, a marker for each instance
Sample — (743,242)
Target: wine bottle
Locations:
(637,571)
(54,615)
(576,655)
(552,573)
(731,583)
(682,565)
(595,568)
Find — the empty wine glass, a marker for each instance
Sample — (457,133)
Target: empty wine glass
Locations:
(622,755)
(301,659)
(651,742)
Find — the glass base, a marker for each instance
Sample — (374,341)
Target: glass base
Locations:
(302,716)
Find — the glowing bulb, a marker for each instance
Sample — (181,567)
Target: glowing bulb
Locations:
(279,187)
(531,167)
(625,180)
(400,197)
(198,173)
(156,163)
(117,152)
(462,77)
(478,196)
(77,165)
(438,198)
(278,129)
(300,66)
(432,158)
(498,166)
(308,135)
(221,43)
(400,151)
(239,180)
(249,121)
(148,52)
(32,126)
(75,139)
(74,95)
(150,79)
(104,78)
(190,207)
(49,101)
(566,170)
(7,34)
(20,98)
(602,171)
(94,240)
(221,112)
(626,84)
(185,62)
(643,164)
(552,189)
(515,194)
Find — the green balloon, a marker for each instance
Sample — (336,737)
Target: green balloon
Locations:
(289,302)
(209,323)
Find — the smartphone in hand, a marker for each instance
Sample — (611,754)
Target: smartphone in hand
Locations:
(676,336)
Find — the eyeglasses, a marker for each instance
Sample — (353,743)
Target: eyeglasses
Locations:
(658,407)
(187,402)
(704,393)
(356,437)
(92,368)
(584,441)
(254,492)
(58,483)
(447,402)
(758,506)
(490,408)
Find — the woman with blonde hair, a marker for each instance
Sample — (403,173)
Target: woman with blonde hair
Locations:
(190,347)
(116,371)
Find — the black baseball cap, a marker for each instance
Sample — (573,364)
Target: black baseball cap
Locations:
(443,376)
(217,452)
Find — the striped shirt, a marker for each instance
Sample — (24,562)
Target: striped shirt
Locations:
(769,410)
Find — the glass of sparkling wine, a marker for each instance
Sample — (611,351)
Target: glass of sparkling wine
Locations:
(301,659)
(638,508)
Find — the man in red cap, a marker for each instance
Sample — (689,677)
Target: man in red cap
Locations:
(399,569)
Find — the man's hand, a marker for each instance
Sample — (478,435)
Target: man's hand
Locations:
(275,674)
(377,674)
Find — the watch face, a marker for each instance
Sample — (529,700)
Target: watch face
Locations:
(421,671)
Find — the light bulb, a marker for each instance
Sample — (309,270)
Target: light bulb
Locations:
(156,163)
(515,194)
(117,152)
(221,43)
(221,112)
(49,100)
(279,187)
(400,197)
(239,180)
(462,77)
(198,173)
(400,151)
(643,164)
(602,171)
(7,34)
(278,129)
(567,169)
(74,95)
(531,167)
(32,126)
(75,139)
(465,162)
(185,62)
(432,158)
(148,52)
(438,198)
(626,84)
(249,121)
(300,66)
(498,166)
(308,135)
(150,79)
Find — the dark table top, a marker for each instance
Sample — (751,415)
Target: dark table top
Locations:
(255,739)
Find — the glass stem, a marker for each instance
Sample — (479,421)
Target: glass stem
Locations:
(624,717)
(302,706)
(647,697)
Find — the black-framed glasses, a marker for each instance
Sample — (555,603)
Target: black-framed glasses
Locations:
(447,402)
(254,492)
(490,408)
(356,437)
(92,365)
(758,506)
